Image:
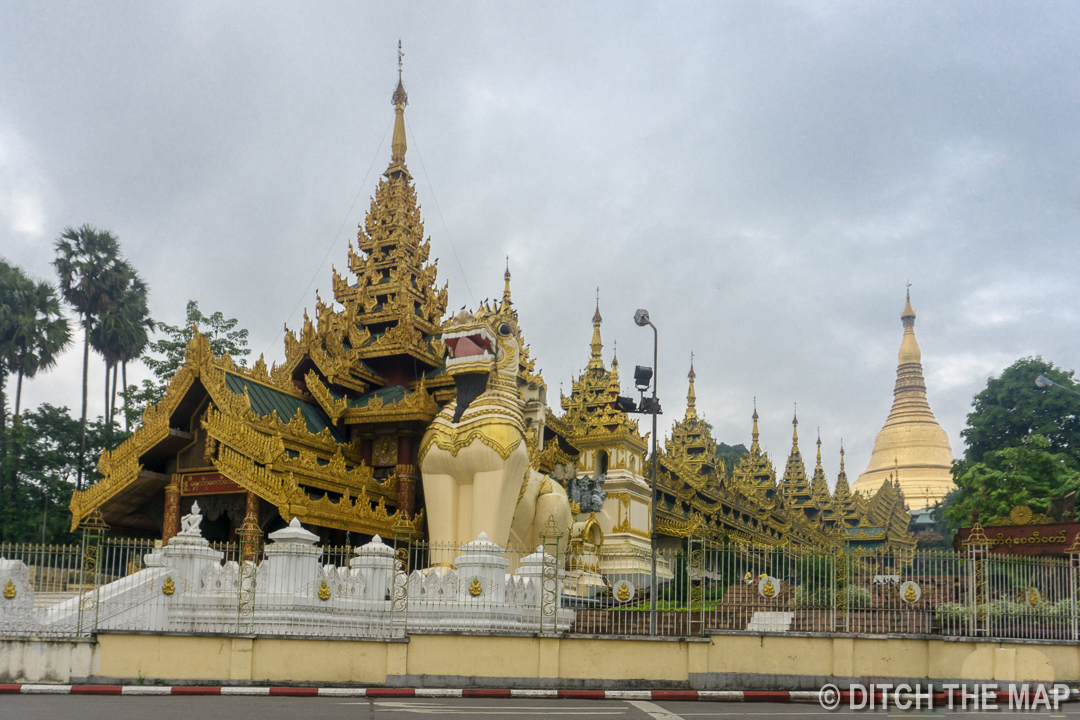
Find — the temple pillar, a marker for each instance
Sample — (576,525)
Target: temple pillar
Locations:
(249,532)
(407,474)
(170,524)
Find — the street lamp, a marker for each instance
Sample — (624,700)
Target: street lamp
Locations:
(1045,382)
(641,380)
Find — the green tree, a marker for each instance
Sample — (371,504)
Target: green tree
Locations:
(224,338)
(1011,408)
(91,280)
(37,333)
(1025,474)
(121,333)
(48,471)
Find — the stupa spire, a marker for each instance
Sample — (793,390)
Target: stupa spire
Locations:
(911,438)
(506,286)
(755,446)
(399,100)
(691,396)
(596,360)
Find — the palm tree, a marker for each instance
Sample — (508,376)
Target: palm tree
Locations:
(33,332)
(121,333)
(40,334)
(91,280)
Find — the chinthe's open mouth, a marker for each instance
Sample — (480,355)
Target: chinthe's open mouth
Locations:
(475,344)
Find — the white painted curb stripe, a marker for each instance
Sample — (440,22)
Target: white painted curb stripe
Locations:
(437,692)
(721,695)
(45,690)
(806,696)
(245,691)
(535,693)
(628,695)
(146,690)
(342,692)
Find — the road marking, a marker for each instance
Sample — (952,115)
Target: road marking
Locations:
(459,709)
(654,710)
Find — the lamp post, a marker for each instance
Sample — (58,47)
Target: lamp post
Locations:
(1045,382)
(641,317)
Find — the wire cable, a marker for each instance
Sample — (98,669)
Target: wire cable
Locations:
(333,241)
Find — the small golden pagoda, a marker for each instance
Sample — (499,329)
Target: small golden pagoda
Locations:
(911,444)
(606,441)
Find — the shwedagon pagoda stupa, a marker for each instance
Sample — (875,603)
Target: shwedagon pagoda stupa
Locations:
(912,447)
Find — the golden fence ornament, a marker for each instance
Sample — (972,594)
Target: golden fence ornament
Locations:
(168,587)
(623,591)
(9,590)
(324,591)
(910,592)
(476,589)
(769,587)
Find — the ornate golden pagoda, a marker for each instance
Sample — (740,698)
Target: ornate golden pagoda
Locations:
(911,441)
(794,486)
(329,435)
(608,443)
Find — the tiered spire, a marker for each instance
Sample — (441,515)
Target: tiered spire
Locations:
(396,306)
(911,437)
(596,359)
(591,404)
(819,486)
(691,396)
(794,486)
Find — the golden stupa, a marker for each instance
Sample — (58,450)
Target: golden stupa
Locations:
(912,446)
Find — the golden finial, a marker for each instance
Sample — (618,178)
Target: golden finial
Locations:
(909,312)
(506,287)
(691,396)
(755,448)
(818,449)
(795,430)
(596,361)
(399,100)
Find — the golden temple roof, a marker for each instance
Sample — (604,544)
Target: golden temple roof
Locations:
(911,440)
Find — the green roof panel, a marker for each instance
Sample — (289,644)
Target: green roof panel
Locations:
(264,400)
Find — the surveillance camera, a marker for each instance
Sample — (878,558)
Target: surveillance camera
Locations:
(641,317)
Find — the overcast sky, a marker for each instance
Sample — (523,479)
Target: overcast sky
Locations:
(763,177)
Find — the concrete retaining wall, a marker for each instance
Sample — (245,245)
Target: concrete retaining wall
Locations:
(743,661)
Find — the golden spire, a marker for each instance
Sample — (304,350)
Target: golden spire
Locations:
(755,448)
(911,431)
(596,360)
(819,486)
(795,432)
(691,396)
(506,287)
(399,100)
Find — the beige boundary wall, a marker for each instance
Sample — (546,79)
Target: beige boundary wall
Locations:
(735,661)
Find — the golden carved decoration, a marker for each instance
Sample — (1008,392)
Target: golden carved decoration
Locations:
(168,587)
(911,594)
(623,593)
(475,588)
(324,591)
(1033,597)
(10,590)
(768,589)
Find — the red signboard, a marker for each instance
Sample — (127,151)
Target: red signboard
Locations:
(1026,539)
(208,484)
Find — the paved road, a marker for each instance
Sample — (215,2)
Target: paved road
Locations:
(75,707)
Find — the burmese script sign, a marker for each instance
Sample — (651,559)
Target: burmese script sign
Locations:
(1026,539)
(208,484)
